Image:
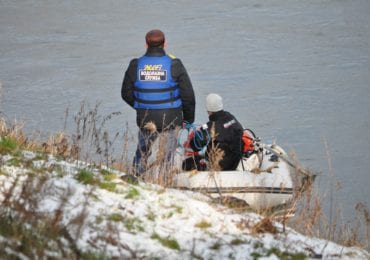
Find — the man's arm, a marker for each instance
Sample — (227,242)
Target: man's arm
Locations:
(181,76)
(127,90)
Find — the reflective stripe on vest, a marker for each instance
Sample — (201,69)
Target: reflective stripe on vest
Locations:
(154,87)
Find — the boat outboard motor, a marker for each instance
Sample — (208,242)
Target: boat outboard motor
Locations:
(248,141)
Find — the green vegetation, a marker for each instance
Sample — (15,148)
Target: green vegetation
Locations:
(281,255)
(8,145)
(40,157)
(33,241)
(59,171)
(2,172)
(203,224)
(86,177)
(107,175)
(16,162)
(115,217)
(167,242)
(216,246)
(109,186)
(29,235)
(168,215)
(99,220)
(151,215)
(133,224)
(237,241)
(93,256)
(132,193)
(178,209)
(257,245)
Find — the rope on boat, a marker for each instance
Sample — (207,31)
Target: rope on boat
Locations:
(197,138)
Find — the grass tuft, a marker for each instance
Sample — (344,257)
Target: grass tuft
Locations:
(133,224)
(237,241)
(107,175)
(151,216)
(279,254)
(203,224)
(116,217)
(132,193)
(109,186)
(216,246)
(8,145)
(167,242)
(86,177)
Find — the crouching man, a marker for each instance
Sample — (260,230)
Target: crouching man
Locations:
(222,136)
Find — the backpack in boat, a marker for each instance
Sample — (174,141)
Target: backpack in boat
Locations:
(248,142)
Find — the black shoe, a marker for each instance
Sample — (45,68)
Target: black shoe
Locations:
(274,158)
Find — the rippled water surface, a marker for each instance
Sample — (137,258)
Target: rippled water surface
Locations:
(295,71)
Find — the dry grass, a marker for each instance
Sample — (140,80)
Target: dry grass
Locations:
(159,166)
(14,131)
(264,226)
(31,234)
(311,219)
(215,154)
(92,143)
(38,233)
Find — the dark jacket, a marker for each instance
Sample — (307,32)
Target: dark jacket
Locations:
(163,118)
(227,137)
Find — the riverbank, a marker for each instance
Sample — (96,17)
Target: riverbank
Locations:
(57,206)
(54,208)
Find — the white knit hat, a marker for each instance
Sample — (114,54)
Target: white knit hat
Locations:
(214,103)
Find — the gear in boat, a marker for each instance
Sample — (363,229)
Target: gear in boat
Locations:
(262,179)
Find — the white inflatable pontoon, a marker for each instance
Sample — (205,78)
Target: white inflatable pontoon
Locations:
(263,180)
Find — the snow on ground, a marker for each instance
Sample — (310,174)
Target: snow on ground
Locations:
(149,221)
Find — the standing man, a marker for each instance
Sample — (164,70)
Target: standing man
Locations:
(158,87)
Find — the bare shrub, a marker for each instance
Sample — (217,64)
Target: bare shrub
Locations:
(264,226)
(311,220)
(15,131)
(91,137)
(215,154)
(20,220)
(59,144)
(159,164)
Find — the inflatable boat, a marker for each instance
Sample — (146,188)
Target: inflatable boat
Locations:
(263,180)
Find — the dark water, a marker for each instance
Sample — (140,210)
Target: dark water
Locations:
(295,71)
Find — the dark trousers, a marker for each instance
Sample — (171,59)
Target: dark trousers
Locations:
(194,163)
(146,140)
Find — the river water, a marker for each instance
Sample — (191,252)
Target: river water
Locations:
(295,71)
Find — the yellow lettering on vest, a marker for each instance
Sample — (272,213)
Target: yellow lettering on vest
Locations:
(153,67)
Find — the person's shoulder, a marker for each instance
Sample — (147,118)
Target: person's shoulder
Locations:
(176,62)
(133,62)
(228,114)
(171,56)
(232,117)
(174,58)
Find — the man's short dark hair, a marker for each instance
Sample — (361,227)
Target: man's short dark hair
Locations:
(155,38)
